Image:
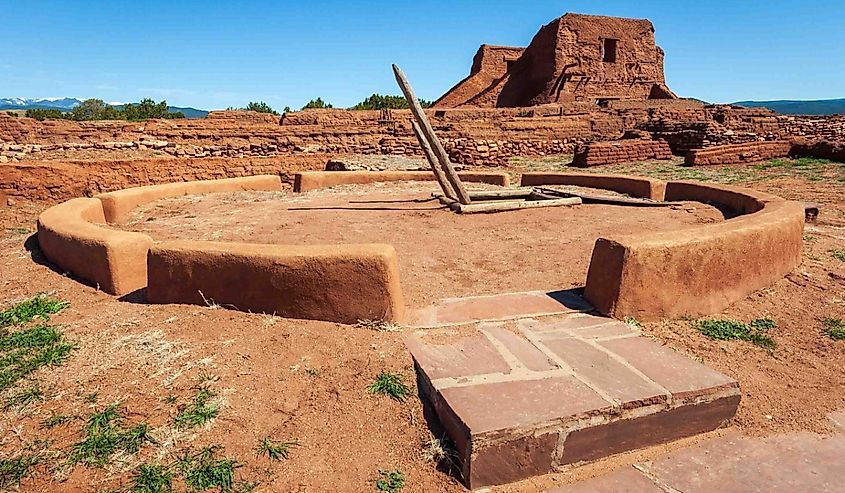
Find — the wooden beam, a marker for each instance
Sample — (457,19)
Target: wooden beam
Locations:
(512,205)
(432,161)
(428,132)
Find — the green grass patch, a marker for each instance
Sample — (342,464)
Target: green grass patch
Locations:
(275,450)
(152,478)
(104,435)
(390,384)
(633,322)
(838,254)
(727,330)
(390,481)
(26,350)
(39,306)
(199,412)
(205,470)
(13,470)
(18,231)
(834,328)
(24,398)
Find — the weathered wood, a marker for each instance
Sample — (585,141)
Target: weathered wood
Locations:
(519,193)
(512,205)
(602,199)
(428,132)
(432,161)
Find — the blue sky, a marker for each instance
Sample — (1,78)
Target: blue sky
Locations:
(211,54)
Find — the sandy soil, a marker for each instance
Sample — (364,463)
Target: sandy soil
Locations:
(307,380)
(441,254)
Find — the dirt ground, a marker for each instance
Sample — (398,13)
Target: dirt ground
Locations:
(307,381)
(441,254)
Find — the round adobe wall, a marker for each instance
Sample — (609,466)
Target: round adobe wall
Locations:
(700,270)
(340,283)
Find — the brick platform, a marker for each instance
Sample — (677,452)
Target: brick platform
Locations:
(620,151)
(524,397)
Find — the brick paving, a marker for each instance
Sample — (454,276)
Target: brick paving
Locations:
(789,463)
(524,397)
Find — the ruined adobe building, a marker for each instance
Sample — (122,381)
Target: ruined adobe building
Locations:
(573,58)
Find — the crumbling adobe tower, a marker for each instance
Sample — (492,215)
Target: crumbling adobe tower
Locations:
(574,58)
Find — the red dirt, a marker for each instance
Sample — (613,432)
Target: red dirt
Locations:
(441,254)
(127,352)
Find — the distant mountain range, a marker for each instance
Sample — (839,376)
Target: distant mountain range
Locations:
(67,104)
(791,107)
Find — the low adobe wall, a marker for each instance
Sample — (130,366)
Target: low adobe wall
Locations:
(620,151)
(340,283)
(312,180)
(635,186)
(70,237)
(699,270)
(117,205)
(738,153)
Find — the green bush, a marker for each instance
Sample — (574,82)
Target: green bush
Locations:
(379,102)
(318,104)
(41,114)
(260,107)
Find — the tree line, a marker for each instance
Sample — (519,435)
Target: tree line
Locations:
(97,109)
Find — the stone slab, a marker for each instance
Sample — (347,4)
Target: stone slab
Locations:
(454,311)
(628,480)
(542,394)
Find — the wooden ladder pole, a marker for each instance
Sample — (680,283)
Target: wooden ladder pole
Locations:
(432,161)
(428,132)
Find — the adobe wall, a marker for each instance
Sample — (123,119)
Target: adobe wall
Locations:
(699,270)
(635,186)
(313,180)
(750,152)
(573,58)
(339,283)
(55,181)
(620,151)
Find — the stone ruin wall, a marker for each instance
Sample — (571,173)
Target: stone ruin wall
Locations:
(573,58)
(57,159)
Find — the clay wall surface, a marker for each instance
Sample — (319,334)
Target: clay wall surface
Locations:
(54,181)
(489,65)
(313,180)
(621,151)
(700,270)
(750,152)
(635,186)
(338,283)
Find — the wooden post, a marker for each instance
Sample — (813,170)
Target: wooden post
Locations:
(432,161)
(428,132)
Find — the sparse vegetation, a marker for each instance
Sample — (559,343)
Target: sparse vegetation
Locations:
(204,470)
(24,398)
(13,470)
(390,481)
(104,435)
(438,449)
(275,450)
(838,254)
(834,328)
(200,411)
(56,419)
(390,384)
(39,306)
(152,478)
(24,351)
(633,322)
(726,330)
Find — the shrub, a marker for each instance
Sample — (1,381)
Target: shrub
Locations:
(260,107)
(42,114)
(318,104)
(379,102)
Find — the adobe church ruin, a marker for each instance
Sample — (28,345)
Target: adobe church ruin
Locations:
(574,58)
